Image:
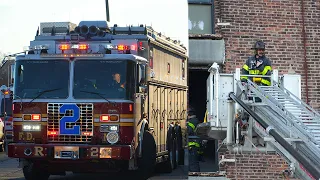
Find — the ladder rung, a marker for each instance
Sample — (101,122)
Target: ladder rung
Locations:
(282,101)
(307,124)
(287,139)
(292,107)
(315,128)
(306,118)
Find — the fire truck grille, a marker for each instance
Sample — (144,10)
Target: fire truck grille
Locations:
(65,126)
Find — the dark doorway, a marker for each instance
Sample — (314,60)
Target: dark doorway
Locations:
(198,91)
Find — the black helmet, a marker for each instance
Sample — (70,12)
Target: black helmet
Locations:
(191,111)
(259,45)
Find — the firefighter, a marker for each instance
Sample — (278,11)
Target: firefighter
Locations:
(203,142)
(258,64)
(193,144)
(201,151)
(117,82)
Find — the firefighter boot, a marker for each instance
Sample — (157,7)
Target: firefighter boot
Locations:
(193,160)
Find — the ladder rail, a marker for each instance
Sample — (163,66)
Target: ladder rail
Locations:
(313,169)
(309,108)
(304,111)
(274,118)
(284,153)
(311,155)
(296,101)
(306,147)
(277,107)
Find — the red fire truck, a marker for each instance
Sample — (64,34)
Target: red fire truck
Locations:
(90,98)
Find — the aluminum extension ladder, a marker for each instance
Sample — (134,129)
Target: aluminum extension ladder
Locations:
(294,119)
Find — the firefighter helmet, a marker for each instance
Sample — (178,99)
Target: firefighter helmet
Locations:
(191,111)
(259,45)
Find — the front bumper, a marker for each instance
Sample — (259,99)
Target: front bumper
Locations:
(70,151)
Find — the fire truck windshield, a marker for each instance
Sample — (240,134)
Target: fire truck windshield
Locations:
(34,76)
(111,79)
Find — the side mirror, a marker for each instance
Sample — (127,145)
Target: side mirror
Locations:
(141,78)
(19,70)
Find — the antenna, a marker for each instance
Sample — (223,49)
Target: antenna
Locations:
(107,11)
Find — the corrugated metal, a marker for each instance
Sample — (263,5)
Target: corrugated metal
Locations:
(206,51)
(61,28)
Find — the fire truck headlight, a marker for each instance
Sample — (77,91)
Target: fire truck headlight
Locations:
(112,137)
(31,127)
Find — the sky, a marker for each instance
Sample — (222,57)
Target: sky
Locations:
(20,18)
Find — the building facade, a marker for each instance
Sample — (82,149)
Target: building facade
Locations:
(290,29)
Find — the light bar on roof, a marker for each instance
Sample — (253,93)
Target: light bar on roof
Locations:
(73,46)
(121,47)
(71,55)
(39,47)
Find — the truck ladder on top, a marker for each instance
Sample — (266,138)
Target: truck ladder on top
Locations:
(292,118)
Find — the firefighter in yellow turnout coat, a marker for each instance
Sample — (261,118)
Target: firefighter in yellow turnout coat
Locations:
(193,144)
(258,64)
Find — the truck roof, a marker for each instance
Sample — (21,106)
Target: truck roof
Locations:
(49,57)
(62,31)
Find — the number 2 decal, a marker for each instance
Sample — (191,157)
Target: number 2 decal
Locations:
(75,130)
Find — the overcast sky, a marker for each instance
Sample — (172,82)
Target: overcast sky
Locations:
(20,18)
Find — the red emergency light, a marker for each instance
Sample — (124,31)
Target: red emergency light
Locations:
(35,117)
(108,117)
(104,118)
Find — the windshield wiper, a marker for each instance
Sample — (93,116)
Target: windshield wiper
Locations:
(42,92)
(99,94)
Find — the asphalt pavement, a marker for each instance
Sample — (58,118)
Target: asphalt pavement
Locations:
(9,170)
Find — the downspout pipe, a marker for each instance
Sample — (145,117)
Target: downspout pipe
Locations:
(315,172)
(304,39)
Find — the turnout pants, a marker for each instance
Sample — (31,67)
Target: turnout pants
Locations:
(194,159)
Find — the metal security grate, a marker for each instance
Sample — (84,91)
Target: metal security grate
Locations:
(85,122)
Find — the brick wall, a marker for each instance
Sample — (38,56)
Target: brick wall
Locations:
(279,24)
(254,166)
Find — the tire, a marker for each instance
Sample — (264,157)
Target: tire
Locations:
(165,167)
(171,147)
(2,142)
(5,145)
(2,147)
(168,165)
(179,146)
(30,172)
(173,155)
(147,163)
